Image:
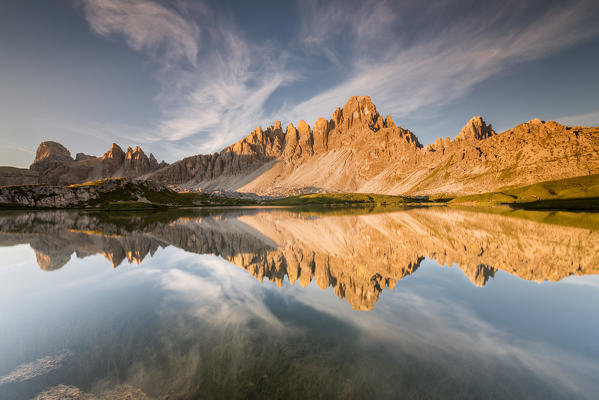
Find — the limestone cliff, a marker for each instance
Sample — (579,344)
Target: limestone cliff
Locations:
(475,129)
(357,150)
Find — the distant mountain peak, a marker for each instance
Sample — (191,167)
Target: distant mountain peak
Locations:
(54,164)
(359,110)
(115,153)
(50,151)
(134,153)
(476,129)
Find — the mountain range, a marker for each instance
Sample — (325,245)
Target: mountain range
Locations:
(356,150)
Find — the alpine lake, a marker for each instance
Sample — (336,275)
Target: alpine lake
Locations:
(283,303)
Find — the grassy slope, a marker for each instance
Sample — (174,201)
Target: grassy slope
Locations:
(553,217)
(580,193)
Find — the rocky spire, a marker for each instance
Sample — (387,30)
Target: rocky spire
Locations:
(475,129)
(305,141)
(291,139)
(136,162)
(153,161)
(320,134)
(359,110)
(115,153)
(336,118)
(389,122)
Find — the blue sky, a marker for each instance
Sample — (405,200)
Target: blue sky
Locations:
(186,77)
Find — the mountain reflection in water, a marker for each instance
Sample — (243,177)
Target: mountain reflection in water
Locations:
(186,324)
(357,255)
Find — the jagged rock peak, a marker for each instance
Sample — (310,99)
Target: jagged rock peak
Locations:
(439,144)
(153,161)
(136,153)
(115,153)
(389,122)
(136,162)
(476,129)
(359,109)
(303,128)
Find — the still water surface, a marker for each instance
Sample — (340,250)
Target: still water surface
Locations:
(257,303)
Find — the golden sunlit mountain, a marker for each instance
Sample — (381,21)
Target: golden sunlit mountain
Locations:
(356,150)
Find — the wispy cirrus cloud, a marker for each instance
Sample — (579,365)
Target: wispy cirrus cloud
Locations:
(588,119)
(146,26)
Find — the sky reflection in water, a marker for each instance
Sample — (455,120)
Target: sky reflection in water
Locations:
(186,324)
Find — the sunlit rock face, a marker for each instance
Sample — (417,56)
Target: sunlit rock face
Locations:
(340,153)
(357,150)
(475,129)
(358,256)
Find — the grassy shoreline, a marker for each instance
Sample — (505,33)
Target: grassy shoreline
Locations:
(572,194)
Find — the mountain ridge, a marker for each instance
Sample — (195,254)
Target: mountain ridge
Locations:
(356,150)
(54,165)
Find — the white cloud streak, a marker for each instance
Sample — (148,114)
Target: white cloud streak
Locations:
(146,26)
(589,119)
